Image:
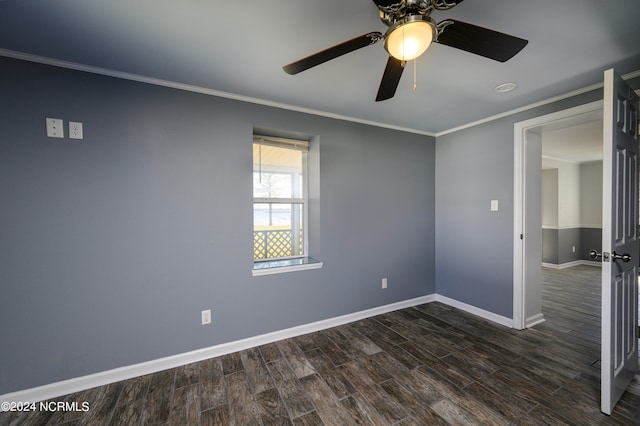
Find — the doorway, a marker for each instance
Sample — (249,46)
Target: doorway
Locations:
(619,288)
(528,215)
(571,195)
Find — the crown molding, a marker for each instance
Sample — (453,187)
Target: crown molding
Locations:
(258,101)
(543,102)
(199,89)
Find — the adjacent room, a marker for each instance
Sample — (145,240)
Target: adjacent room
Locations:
(202,221)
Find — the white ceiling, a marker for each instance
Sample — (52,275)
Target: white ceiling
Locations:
(237,48)
(577,139)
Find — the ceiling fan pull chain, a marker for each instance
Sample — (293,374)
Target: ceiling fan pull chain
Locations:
(415,73)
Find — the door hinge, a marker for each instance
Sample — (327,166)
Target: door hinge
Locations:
(522,236)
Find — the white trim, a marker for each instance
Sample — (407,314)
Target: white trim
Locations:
(534,320)
(284,269)
(562,160)
(518,229)
(607,372)
(543,102)
(592,226)
(205,91)
(571,226)
(199,89)
(78,384)
(507,322)
(571,264)
(519,130)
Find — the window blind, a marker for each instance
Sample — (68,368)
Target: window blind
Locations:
(298,145)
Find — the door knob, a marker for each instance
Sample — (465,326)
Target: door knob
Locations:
(595,255)
(624,257)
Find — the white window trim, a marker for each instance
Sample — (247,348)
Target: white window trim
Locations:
(304,201)
(284,269)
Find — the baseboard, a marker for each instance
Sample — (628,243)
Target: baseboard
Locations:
(507,322)
(54,390)
(534,320)
(571,264)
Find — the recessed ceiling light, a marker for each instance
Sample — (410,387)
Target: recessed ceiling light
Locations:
(505,87)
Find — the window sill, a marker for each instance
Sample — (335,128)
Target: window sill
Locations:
(282,266)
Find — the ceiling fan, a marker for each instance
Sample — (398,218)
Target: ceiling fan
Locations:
(411,31)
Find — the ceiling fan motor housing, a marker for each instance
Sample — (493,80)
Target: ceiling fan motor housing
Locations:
(392,12)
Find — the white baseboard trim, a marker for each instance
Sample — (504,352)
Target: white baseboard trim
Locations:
(54,390)
(570,264)
(507,322)
(534,320)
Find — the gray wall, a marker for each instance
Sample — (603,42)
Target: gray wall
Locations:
(558,242)
(568,238)
(591,239)
(474,256)
(591,194)
(111,246)
(550,245)
(590,208)
(549,215)
(550,197)
(474,249)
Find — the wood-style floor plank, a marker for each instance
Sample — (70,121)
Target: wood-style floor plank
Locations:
(327,406)
(212,384)
(426,365)
(185,408)
(272,409)
(291,390)
(242,406)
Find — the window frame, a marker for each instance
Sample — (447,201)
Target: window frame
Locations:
(303,147)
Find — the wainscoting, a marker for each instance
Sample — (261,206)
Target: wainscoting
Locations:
(558,244)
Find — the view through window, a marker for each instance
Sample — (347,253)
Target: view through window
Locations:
(279,198)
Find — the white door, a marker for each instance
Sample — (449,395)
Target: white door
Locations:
(619,240)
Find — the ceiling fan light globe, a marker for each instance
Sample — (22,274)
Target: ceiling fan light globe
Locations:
(410,40)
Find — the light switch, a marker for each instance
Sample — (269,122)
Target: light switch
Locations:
(494,205)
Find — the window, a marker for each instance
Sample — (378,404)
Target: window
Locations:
(279,198)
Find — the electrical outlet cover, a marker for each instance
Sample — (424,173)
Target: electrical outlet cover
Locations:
(55,128)
(75,130)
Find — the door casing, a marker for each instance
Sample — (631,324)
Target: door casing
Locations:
(527,256)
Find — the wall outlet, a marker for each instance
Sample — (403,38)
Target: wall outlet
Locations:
(494,205)
(75,130)
(55,128)
(206,317)
(574,249)
(384,283)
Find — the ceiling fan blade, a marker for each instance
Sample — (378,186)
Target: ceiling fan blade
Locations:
(332,52)
(386,3)
(481,41)
(390,79)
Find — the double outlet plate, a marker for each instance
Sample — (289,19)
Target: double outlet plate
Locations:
(55,129)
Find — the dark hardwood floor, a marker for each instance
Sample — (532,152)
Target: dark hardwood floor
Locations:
(426,365)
